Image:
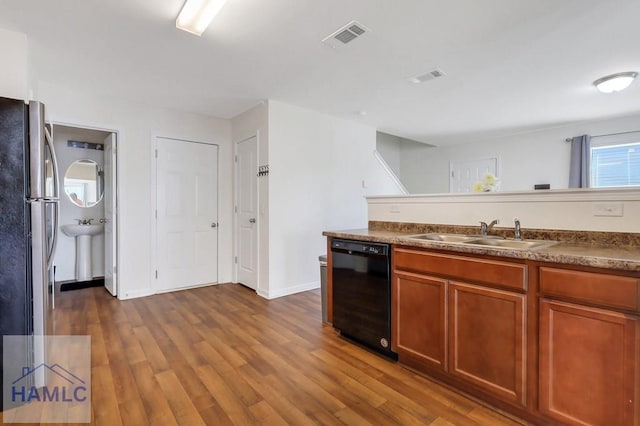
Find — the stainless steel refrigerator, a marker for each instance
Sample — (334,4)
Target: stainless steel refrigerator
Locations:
(29,214)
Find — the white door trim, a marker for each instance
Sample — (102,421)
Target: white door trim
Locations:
(153,249)
(113,224)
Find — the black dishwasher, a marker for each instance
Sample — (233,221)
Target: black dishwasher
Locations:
(362,293)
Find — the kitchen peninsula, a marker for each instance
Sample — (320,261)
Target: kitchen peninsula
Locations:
(549,334)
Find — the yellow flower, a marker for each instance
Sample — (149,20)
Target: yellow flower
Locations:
(490,179)
(478,187)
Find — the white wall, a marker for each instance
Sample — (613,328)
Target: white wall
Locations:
(14,65)
(318,165)
(577,209)
(524,160)
(389,146)
(424,169)
(317,168)
(69,211)
(136,125)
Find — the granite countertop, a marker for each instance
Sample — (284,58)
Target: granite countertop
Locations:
(600,255)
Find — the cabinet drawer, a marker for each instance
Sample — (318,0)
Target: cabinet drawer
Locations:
(493,272)
(600,289)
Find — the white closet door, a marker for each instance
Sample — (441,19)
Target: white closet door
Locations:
(247,212)
(187,214)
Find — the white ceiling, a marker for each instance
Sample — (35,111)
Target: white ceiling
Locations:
(512,65)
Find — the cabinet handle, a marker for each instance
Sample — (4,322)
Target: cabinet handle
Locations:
(252,220)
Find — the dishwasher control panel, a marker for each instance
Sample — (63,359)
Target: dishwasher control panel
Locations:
(360,247)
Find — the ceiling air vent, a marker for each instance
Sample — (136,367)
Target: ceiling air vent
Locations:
(434,73)
(346,34)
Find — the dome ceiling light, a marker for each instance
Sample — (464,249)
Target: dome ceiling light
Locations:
(615,82)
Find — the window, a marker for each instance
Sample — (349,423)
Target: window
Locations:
(615,161)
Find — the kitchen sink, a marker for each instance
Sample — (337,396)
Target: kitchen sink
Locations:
(484,240)
(451,238)
(511,244)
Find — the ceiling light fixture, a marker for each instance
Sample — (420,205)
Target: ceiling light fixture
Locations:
(196,15)
(615,82)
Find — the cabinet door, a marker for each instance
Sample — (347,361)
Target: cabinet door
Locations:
(419,304)
(588,365)
(487,339)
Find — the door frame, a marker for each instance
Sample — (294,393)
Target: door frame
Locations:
(116,194)
(236,214)
(153,249)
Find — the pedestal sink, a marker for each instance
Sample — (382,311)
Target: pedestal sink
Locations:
(83,234)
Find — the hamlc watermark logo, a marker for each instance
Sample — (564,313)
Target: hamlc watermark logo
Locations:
(46,379)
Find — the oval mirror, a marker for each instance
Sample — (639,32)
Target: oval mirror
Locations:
(84,183)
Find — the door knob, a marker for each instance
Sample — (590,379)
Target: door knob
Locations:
(252,220)
(214,225)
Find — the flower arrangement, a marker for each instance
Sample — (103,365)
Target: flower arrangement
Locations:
(489,183)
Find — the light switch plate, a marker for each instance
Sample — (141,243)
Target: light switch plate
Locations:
(394,209)
(608,209)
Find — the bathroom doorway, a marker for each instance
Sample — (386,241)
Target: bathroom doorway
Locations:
(87,174)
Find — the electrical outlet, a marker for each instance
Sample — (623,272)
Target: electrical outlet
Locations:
(608,209)
(394,209)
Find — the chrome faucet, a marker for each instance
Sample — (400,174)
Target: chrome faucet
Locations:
(84,221)
(484,228)
(517,230)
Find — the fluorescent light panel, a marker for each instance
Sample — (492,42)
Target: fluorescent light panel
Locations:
(196,15)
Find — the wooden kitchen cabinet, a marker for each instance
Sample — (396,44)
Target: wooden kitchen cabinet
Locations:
(462,317)
(589,346)
(551,343)
(487,339)
(588,364)
(419,307)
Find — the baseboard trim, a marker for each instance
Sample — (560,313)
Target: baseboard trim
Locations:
(135,294)
(281,292)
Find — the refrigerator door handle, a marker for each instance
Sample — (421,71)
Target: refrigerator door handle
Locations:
(54,238)
(48,137)
(54,160)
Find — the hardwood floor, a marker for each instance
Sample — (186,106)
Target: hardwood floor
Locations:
(222,355)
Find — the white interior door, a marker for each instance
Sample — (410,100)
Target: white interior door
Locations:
(187,214)
(110,225)
(247,212)
(464,174)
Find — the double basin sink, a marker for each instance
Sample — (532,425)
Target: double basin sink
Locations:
(484,240)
